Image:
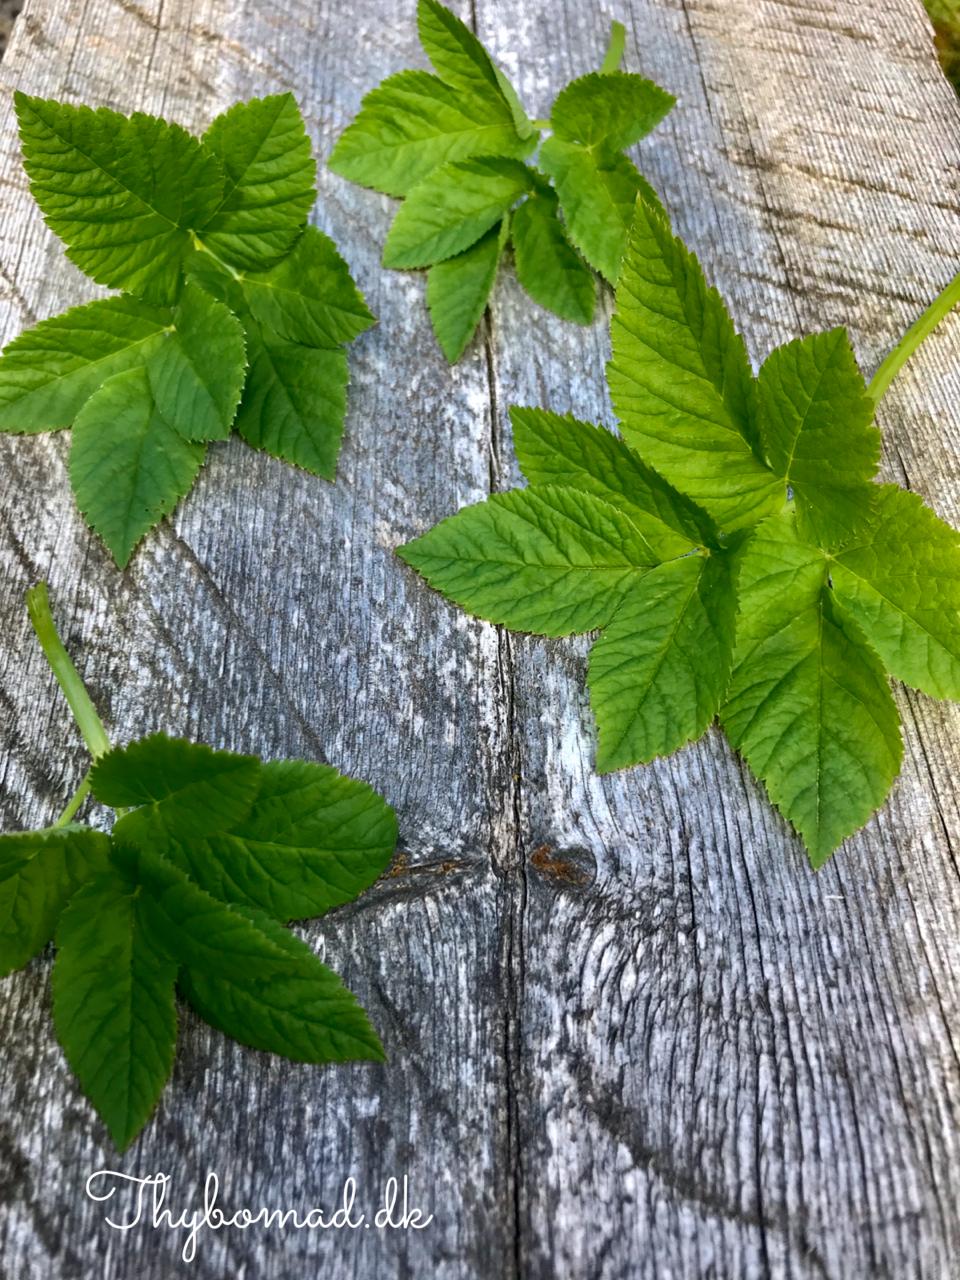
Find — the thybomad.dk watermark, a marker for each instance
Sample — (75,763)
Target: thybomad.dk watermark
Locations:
(144,1202)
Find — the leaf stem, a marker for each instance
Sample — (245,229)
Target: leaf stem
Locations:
(76,800)
(941,307)
(84,712)
(614,55)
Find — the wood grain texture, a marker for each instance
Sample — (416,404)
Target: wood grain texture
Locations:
(631,1035)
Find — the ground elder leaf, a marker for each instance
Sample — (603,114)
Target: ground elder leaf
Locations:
(197,368)
(452,208)
(547,559)
(809,705)
(270,181)
(458,290)
(598,191)
(816,427)
(48,372)
(548,266)
(609,109)
(312,840)
(681,383)
(899,576)
(175,788)
(121,192)
(247,975)
(412,123)
(128,466)
(309,297)
(113,1005)
(553,448)
(39,873)
(660,668)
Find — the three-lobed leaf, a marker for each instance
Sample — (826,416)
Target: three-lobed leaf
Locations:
(123,193)
(128,466)
(809,704)
(269,181)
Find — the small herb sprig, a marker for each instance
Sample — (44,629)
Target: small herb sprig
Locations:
(732,546)
(211,854)
(455,144)
(234,312)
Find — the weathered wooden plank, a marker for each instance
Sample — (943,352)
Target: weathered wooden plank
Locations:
(630,1033)
(270,616)
(732,1067)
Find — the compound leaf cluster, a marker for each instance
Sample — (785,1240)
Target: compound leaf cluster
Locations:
(457,146)
(233,312)
(211,854)
(731,543)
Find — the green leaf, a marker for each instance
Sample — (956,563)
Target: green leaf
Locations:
(900,579)
(128,466)
(194,355)
(295,397)
(461,60)
(558,450)
(412,123)
(612,110)
(304,1013)
(458,290)
(270,180)
(122,193)
(452,208)
(816,425)
(548,560)
(113,1005)
(809,705)
(51,370)
(598,191)
(247,976)
(180,788)
(548,266)
(294,402)
(660,668)
(309,297)
(457,55)
(39,872)
(196,372)
(681,382)
(312,840)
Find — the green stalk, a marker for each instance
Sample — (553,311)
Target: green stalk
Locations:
(76,800)
(941,307)
(614,54)
(84,712)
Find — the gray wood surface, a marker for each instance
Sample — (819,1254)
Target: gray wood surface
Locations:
(630,1034)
